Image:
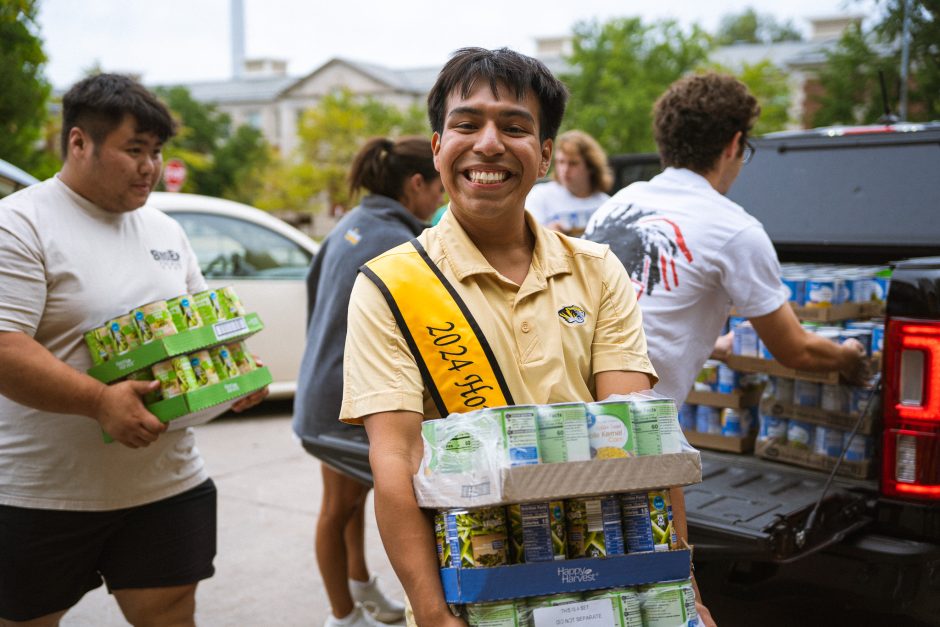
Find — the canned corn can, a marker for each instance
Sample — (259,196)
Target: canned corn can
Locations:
(593,527)
(537,532)
(828,441)
(146,375)
(520,432)
(225,366)
(626,604)
(154,321)
(498,614)
(185,374)
(859,448)
(203,368)
(563,433)
(800,434)
(834,398)
(656,426)
(637,528)
(183,313)
(242,357)
(165,373)
(123,334)
(806,393)
(100,345)
(610,430)
(668,605)
(687,417)
(440,536)
(783,390)
(478,537)
(230,302)
(708,419)
(209,307)
(772,428)
(664,530)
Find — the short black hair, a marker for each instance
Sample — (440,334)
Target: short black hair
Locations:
(516,71)
(98,104)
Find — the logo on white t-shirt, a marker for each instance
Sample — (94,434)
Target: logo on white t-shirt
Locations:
(168,259)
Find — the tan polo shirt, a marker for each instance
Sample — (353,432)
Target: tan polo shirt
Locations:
(545,356)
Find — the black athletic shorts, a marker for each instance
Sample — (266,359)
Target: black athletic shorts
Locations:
(49,558)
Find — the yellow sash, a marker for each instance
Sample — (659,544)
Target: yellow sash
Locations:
(456,362)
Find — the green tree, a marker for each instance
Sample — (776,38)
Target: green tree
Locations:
(221,160)
(752,27)
(771,86)
(330,136)
(619,69)
(850,79)
(24,90)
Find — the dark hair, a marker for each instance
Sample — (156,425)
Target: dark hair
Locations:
(593,155)
(98,104)
(382,165)
(697,117)
(516,71)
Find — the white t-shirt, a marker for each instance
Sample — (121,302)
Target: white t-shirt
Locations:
(552,202)
(67,266)
(691,254)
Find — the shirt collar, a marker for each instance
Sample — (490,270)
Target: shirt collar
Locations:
(685,178)
(550,255)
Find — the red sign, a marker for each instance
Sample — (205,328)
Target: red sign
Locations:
(174,175)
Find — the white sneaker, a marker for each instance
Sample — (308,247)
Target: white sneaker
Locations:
(357,618)
(374,602)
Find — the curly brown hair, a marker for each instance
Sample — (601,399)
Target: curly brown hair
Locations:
(697,117)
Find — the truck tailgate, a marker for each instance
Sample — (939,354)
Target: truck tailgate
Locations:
(750,508)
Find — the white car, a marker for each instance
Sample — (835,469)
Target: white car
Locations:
(265,260)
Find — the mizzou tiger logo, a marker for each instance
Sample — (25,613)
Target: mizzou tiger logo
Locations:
(572,314)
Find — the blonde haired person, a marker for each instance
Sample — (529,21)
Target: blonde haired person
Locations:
(582,179)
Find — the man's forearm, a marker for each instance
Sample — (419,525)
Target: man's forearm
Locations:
(409,542)
(30,375)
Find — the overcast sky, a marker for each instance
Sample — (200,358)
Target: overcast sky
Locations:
(188,40)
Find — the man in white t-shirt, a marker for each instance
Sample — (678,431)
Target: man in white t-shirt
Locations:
(581,180)
(693,254)
(76,251)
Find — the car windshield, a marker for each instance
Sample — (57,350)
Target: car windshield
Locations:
(229,247)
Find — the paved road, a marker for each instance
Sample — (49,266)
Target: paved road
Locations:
(269,497)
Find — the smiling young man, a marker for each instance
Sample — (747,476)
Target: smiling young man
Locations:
(75,251)
(557,314)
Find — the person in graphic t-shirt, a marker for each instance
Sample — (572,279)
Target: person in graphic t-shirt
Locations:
(582,179)
(693,254)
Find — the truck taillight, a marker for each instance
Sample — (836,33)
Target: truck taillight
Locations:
(911,460)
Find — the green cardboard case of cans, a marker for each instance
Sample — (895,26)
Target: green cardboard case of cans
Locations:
(202,365)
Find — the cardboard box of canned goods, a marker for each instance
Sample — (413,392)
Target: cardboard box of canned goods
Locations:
(540,452)
(159,349)
(475,585)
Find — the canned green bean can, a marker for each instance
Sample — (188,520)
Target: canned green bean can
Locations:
(520,432)
(123,334)
(537,532)
(664,530)
(165,373)
(153,321)
(242,356)
(668,605)
(440,536)
(478,537)
(183,312)
(146,375)
(230,302)
(100,345)
(610,430)
(203,368)
(225,366)
(593,527)
(626,604)
(185,374)
(499,614)
(563,434)
(209,306)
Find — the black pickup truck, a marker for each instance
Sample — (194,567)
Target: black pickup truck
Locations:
(777,544)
